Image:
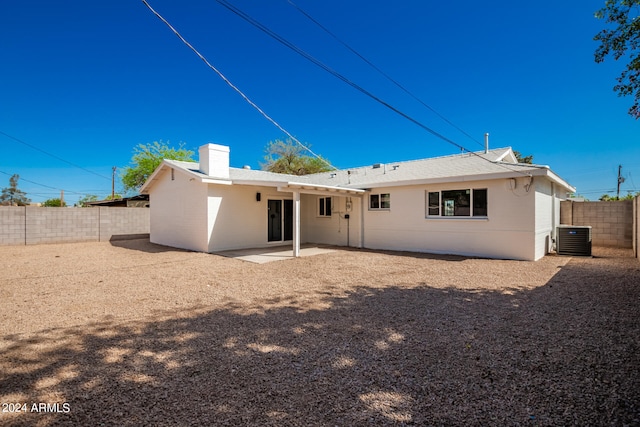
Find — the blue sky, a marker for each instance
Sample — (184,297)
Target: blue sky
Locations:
(88,80)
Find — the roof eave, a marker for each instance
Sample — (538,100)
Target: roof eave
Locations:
(311,188)
(540,171)
(197,175)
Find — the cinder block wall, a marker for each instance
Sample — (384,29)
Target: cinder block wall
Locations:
(117,223)
(12,225)
(611,222)
(57,225)
(34,225)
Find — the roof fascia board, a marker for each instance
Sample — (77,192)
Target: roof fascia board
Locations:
(318,190)
(556,179)
(257,183)
(303,187)
(150,181)
(540,171)
(216,181)
(510,154)
(321,187)
(197,175)
(462,178)
(206,179)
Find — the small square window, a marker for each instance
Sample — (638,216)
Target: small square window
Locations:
(324,206)
(380,201)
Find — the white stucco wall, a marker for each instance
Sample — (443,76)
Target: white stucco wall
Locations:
(211,217)
(336,229)
(507,232)
(545,216)
(178,212)
(236,220)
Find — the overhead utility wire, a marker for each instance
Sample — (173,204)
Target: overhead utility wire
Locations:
(404,89)
(53,155)
(330,70)
(228,82)
(42,185)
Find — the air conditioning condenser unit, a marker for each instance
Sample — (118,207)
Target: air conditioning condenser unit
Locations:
(573,240)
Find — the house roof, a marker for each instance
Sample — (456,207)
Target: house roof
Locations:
(495,164)
(119,202)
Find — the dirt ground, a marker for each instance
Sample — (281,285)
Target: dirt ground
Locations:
(130,333)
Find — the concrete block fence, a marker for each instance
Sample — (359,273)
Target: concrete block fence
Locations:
(30,225)
(612,223)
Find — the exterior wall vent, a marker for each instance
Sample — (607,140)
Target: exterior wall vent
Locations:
(573,240)
(377,165)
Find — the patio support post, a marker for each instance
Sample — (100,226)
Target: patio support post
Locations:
(296,224)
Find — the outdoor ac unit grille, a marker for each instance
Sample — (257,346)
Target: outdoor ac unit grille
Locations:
(574,241)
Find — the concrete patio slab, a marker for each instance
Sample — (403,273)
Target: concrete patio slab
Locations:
(276,253)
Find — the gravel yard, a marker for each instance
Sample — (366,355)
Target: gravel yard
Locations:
(130,333)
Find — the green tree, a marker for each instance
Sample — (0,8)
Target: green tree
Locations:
(288,157)
(82,202)
(578,196)
(608,198)
(146,158)
(622,40)
(54,203)
(12,194)
(521,159)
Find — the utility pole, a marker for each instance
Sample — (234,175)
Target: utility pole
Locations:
(620,180)
(61,198)
(113,184)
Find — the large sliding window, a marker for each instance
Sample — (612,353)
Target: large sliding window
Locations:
(457,203)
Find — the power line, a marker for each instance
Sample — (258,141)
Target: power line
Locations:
(228,82)
(376,68)
(41,185)
(333,72)
(52,155)
(330,70)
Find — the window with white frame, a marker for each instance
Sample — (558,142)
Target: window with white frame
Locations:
(457,203)
(324,206)
(380,201)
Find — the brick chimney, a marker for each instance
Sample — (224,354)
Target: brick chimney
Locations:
(214,160)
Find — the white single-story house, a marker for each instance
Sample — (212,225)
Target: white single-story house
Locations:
(482,204)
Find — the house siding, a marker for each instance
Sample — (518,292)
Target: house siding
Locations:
(547,212)
(236,219)
(336,229)
(507,232)
(179,212)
